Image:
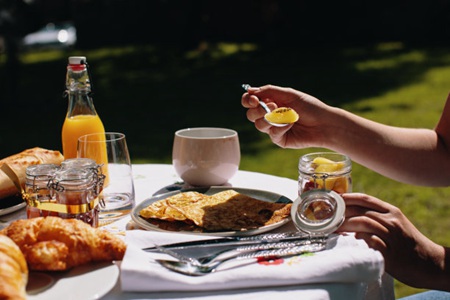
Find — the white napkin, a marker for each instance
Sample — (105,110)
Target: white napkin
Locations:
(346,259)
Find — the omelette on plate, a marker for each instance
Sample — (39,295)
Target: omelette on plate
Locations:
(226,210)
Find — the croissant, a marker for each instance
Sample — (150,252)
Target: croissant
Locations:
(56,244)
(13,270)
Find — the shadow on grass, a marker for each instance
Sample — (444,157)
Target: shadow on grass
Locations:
(148,92)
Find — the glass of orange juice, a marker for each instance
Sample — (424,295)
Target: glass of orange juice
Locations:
(110,150)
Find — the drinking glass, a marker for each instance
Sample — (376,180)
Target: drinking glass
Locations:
(206,156)
(110,150)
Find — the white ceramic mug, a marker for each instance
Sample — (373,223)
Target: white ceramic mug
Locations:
(206,156)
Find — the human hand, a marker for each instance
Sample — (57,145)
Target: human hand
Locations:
(306,132)
(409,256)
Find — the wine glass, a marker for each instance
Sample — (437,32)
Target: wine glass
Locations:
(110,150)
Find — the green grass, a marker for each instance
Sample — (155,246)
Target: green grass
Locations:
(150,91)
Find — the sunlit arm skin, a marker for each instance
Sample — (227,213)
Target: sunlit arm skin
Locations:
(409,256)
(410,155)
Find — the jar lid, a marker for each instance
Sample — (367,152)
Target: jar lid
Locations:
(80,163)
(318,212)
(74,178)
(42,170)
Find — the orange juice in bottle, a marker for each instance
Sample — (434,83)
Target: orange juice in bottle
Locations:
(81,118)
(75,127)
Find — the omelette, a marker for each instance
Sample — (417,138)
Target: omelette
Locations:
(226,210)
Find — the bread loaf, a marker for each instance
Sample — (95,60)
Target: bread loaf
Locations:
(19,163)
(13,270)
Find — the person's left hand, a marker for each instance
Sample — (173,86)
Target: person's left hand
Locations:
(409,256)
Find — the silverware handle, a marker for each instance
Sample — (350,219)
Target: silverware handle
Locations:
(254,247)
(281,245)
(239,241)
(314,247)
(273,236)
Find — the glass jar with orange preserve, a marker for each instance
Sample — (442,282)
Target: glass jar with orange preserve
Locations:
(81,117)
(77,190)
(325,170)
(37,189)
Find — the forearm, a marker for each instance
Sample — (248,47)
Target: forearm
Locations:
(432,270)
(442,279)
(414,156)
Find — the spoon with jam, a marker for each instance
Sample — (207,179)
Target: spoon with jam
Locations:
(279,117)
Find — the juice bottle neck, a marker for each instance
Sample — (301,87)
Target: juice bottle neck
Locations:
(77,78)
(80,103)
(79,90)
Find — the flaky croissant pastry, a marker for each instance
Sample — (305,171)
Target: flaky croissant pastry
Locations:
(13,270)
(56,244)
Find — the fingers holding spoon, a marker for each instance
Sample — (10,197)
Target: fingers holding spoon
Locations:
(280,117)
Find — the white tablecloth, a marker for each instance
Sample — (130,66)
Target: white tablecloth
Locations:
(153,179)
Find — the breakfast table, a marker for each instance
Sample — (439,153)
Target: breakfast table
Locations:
(155,179)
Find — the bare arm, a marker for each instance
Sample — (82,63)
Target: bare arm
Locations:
(410,155)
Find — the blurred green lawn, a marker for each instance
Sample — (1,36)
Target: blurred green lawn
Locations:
(150,91)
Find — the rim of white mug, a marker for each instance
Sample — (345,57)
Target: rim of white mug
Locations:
(229,132)
(117,136)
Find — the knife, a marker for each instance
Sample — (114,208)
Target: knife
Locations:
(238,241)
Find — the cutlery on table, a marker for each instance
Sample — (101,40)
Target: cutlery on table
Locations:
(194,269)
(237,240)
(232,252)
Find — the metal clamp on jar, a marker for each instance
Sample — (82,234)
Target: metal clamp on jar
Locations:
(36,188)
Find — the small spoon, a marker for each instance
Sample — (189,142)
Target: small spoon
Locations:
(266,108)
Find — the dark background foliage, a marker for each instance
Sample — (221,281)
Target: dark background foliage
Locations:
(299,44)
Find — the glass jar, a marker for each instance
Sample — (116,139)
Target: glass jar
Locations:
(37,189)
(77,190)
(86,163)
(318,212)
(325,170)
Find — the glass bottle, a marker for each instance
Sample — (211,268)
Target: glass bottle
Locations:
(81,117)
